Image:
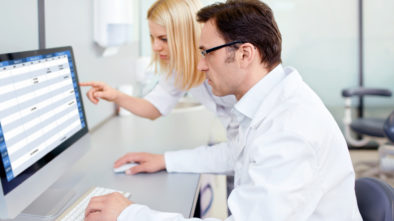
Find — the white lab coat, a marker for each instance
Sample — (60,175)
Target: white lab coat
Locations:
(165,96)
(290,159)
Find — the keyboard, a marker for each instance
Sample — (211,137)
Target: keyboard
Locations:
(76,212)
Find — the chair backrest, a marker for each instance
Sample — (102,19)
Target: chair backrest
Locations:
(389,127)
(375,199)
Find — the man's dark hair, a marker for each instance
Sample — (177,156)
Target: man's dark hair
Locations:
(249,21)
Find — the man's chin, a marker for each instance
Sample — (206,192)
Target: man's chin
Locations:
(217,93)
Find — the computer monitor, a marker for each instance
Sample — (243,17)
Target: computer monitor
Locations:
(42,124)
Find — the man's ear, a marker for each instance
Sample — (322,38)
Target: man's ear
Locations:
(246,54)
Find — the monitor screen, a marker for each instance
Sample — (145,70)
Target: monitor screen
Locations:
(41,111)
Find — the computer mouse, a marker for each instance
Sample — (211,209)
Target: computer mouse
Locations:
(124,167)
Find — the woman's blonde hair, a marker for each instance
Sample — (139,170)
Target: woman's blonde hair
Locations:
(183,32)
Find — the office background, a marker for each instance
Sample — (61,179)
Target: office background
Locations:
(320,39)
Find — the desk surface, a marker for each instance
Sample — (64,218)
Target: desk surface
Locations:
(161,191)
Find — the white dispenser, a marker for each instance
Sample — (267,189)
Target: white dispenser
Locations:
(113,24)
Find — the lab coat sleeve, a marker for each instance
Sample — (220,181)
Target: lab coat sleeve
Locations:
(281,182)
(218,158)
(144,213)
(165,95)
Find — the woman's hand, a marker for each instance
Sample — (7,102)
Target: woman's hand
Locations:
(100,90)
(148,162)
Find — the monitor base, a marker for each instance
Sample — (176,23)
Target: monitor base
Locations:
(51,204)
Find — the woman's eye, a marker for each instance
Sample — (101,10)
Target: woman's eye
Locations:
(164,39)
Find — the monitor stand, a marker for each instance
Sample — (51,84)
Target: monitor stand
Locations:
(54,201)
(51,204)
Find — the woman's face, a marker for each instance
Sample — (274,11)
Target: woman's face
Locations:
(158,36)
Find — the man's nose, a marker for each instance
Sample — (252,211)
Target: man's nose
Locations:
(202,64)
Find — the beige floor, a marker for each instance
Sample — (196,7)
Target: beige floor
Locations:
(366,164)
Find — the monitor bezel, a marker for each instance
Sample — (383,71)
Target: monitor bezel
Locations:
(8,186)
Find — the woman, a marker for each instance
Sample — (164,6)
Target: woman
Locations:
(174,34)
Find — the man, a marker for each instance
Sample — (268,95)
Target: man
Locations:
(290,160)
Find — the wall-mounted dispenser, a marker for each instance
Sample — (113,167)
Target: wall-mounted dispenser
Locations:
(113,24)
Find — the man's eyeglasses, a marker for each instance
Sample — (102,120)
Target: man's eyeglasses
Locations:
(205,52)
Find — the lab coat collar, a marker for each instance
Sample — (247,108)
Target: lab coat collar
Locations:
(278,93)
(249,104)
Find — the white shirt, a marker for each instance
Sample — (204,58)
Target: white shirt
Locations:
(290,159)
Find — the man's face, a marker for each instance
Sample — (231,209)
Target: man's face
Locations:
(222,73)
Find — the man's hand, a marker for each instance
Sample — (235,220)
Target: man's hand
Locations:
(147,162)
(106,208)
(100,90)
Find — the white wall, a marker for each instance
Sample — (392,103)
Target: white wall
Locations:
(69,22)
(320,39)
(379,49)
(19,27)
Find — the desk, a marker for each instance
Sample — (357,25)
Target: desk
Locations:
(160,191)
